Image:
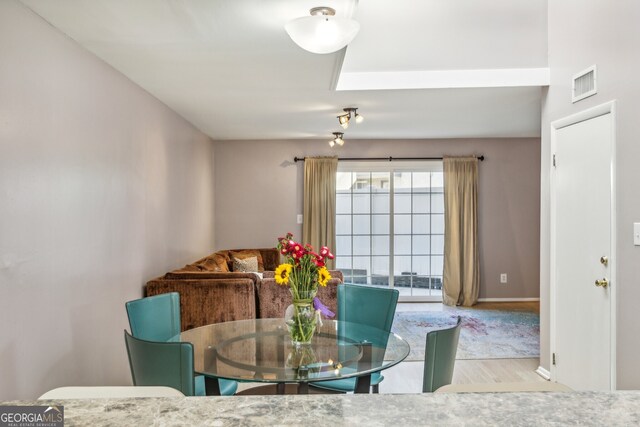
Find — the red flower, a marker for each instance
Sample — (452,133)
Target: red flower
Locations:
(324,251)
(284,251)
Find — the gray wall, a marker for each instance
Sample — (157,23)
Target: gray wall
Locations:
(259,192)
(102,187)
(605,33)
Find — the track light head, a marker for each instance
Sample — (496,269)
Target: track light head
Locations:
(344,120)
(337,139)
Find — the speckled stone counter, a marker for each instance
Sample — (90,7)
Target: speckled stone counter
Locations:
(464,409)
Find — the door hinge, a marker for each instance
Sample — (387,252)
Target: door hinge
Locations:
(554,160)
(553,359)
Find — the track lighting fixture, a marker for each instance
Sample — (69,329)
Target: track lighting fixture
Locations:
(345,118)
(337,139)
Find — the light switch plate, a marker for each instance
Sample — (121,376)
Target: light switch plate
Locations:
(503,278)
(636,233)
(299,218)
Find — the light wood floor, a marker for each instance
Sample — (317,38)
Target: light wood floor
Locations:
(406,377)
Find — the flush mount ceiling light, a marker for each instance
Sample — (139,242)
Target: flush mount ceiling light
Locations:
(337,139)
(322,32)
(345,118)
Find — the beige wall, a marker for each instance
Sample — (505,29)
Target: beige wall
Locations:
(258,195)
(101,188)
(607,34)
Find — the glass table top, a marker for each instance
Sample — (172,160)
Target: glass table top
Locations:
(260,350)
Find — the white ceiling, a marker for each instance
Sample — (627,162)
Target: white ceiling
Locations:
(229,68)
(411,35)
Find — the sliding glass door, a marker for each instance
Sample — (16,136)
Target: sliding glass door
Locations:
(390,218)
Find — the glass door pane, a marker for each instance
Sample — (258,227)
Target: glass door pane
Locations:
(390,230)
(362,226)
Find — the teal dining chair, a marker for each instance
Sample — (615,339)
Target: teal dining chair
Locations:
(157,318)
(371,307)
(167,364)
(440,357)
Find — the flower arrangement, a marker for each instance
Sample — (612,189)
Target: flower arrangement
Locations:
(304,268)
(303,271)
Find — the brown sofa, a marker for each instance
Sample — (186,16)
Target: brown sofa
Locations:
(211,292)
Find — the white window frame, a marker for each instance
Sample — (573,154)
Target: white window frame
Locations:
(391,168)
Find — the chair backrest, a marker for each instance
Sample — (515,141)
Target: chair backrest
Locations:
(155,318)
(167,364)
(105,392)
(440,357)
(370,306)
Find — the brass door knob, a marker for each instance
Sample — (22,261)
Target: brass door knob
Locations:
(602,282)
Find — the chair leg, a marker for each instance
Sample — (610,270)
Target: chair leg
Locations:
(375,388)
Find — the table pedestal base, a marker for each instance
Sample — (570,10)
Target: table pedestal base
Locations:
(271,389)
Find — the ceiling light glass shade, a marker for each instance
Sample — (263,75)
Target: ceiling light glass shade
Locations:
(359,118)
(332,143)
(340,141)
(322,33)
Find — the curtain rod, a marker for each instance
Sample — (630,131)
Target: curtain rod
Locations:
(388,159)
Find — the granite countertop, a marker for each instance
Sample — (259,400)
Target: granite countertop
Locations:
(619,408)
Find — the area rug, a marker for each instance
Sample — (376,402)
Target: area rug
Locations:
(485,334)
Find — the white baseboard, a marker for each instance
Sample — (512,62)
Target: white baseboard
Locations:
(507,299)
(543,373)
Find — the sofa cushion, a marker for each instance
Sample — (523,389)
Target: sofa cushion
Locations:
(204,275)
(207,301)
(248,253)
(189,268)
(247,265)
(270,258)
(273,299)
(215,262)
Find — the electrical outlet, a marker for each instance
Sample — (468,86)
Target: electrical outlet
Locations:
(503,278)
(299,218)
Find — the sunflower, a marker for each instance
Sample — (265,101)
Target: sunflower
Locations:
(323,276)
(282,274)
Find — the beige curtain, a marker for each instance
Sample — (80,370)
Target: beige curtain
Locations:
(319,221)
(461,281)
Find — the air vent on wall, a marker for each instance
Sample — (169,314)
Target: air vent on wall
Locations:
(584,84)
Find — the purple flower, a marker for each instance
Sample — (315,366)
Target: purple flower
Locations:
(323,308)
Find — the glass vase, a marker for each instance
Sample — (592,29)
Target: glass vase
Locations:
(300,318)
(303,361)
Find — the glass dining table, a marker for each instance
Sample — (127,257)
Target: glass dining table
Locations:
(259,350)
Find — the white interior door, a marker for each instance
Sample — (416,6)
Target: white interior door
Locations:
(582,228)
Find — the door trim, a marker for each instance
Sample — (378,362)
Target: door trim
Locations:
(591,113)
